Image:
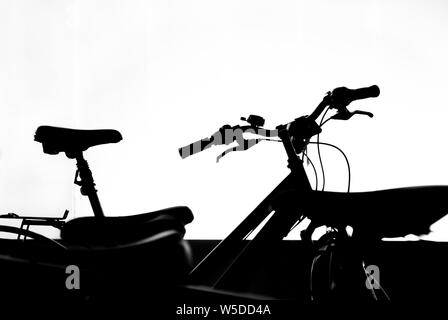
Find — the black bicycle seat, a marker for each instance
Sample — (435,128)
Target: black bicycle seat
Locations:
(73,141)
(118,259)
(383,213)
(125,229)
(378,214)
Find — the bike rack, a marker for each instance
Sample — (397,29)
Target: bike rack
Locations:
(27,221)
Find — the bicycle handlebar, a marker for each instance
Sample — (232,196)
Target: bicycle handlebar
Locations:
(342,96)
(195,147)
(338,99)
(225,135)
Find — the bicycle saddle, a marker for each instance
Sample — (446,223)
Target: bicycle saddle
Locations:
(125,229)
(73,141)
(378,214)
(383,213)
(118,259)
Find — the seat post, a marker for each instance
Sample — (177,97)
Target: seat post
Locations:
(87,184)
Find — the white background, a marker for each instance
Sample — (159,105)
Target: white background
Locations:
(166,73)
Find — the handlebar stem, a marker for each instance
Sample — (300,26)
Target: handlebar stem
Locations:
(294,163)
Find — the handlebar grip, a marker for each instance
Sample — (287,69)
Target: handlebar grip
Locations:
(342,96)
(367,92)
(195,147)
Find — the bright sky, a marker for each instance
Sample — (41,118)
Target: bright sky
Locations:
(167,73)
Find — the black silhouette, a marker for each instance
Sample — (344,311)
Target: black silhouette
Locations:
(373,215)
(142,260)
(118,257)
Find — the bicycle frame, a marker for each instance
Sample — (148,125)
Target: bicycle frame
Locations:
(212,269)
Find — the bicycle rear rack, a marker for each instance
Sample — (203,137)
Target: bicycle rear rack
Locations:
(27,221)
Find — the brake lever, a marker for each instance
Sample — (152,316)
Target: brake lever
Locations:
(344,114)
(365,113)
(245,145)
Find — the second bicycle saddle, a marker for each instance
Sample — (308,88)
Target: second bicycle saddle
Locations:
(121,230)
(73,141)
(383,213)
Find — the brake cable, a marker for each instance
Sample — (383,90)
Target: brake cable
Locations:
(318,148)
(314,169)
(346,160)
